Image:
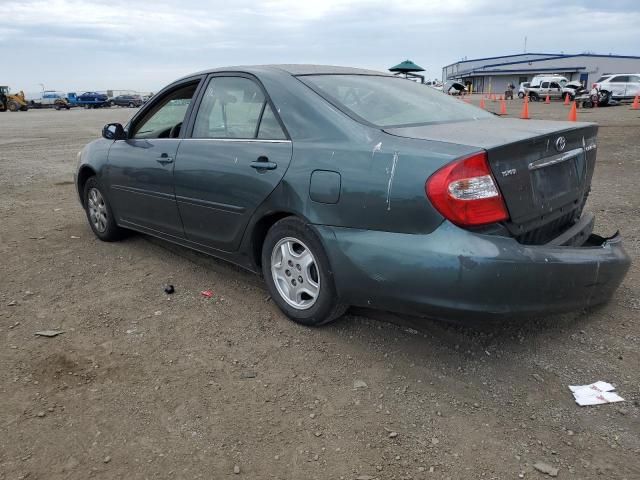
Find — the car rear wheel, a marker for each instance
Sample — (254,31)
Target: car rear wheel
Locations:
(603,97)
(99,212)
(297,273)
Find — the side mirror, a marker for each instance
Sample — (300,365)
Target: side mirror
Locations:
(114,131)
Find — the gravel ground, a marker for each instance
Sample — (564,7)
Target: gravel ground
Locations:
(146,385)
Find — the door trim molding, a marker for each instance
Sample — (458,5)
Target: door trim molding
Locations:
(209,204)
(142,191)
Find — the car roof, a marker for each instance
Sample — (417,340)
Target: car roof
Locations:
(295,70)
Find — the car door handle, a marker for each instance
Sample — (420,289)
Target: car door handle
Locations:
(164,159)
(263,163)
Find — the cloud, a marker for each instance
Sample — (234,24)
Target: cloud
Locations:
(143,44)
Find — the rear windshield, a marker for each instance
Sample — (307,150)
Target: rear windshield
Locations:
(391,101)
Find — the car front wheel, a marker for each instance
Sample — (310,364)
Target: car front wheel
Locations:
(99,212)
(520,94)
(297,273)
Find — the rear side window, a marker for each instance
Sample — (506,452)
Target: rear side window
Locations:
(620,79)
(634,78)
(233,107)
(554,85)
(269,127)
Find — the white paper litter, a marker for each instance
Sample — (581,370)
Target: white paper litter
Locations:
(595,394)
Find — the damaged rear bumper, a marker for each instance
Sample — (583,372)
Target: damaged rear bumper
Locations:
(455,273)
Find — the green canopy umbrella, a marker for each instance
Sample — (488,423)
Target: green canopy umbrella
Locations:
(406,67)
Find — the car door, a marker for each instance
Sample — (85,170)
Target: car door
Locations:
(235,154)
(140,168)
(618,86)
(555,91)
(544,89)
(633,86)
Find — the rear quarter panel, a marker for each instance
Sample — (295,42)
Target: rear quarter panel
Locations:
(382,176)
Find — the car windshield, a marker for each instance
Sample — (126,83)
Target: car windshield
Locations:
(386,101)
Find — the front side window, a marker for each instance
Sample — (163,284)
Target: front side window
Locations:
(165,119)
(544,85)
(555,85)
(387,101)
(235,107)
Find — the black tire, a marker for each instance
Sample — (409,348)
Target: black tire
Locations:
(13,106)
(326,306)
(112,103)
(131,105)
(603,98)
(111,231)
(520,94)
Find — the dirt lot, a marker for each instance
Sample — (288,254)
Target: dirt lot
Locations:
(146,385)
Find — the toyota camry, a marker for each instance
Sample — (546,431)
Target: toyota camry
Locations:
(347,187)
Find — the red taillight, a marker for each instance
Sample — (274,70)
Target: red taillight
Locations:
(465,193)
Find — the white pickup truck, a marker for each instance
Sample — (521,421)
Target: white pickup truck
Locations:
(50,98)
(543,85)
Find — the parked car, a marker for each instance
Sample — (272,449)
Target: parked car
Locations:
(127,101)
(571,88)
(550,85)
(453,88)
(92,99)
(52,99)
(437,85)
(353,187)
(617,87)
(522,89)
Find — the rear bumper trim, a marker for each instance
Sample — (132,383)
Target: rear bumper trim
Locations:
(577,234)
(455,273)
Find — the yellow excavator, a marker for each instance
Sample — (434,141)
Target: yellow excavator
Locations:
(12,101)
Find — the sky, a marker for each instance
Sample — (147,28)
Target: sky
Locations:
(72,45)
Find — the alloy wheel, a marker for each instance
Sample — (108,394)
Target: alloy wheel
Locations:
(97,210)
(295,273)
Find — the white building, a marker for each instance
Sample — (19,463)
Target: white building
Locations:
(493,74)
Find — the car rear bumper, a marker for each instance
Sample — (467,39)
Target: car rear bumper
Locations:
(455,273)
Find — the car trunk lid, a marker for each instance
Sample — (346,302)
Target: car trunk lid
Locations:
(542,168)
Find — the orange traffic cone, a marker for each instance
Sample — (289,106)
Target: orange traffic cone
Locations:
(524,115)
(573,113)
(547,100)
(636,103)
(503,107)
(482,105)
(566,100)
